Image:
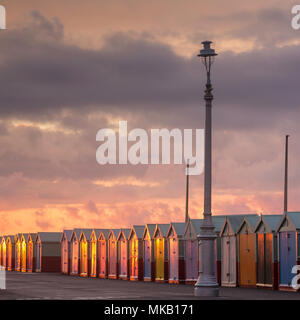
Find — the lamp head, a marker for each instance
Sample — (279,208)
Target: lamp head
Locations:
(207,51)
(207,55)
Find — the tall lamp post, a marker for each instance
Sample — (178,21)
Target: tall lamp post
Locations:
(206,284)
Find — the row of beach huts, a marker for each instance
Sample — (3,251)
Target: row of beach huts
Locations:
(251,251)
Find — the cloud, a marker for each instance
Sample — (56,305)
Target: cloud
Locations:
(55,96)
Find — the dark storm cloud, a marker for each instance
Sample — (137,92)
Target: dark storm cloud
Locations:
(41,75)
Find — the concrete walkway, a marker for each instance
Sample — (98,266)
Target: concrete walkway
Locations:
(57,286)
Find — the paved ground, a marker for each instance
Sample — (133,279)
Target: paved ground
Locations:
(57,286)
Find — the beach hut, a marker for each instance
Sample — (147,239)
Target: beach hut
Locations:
(229,252)
(3,252)
(161,252)
(30,248)
(148,252)
(93,249)
(123,251)
(247,252)
(288,248)
(18,252)
(176,252)
(65,251)
(84,251)
(136,253)
(74,252)
(24,239)
(113,266)
(267,255)
(191,231)
(103,253)
(10,253)
(48,252)
(218,222)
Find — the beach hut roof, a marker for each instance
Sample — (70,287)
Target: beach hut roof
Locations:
(163,228)
(97,232)
(250,220)
(49,236)
(25,236)
(235,221)
(292,217)
(125,233)
(178,227)
(218,222)
(138,230)
(270,221)
(86,233)
(10,238)
(193,224)
(33,236)
(105,233)
(76,233)
(115,232)
(67,234)
(150,227)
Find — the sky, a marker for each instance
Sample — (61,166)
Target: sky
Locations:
(70,69)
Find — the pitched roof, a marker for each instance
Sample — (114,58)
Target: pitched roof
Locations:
(218,222)
(235,221)
(179,228)
(251,220)
(33,236)
(138,230)
(151,228)
(11,238)
(196,224)
(87,234)
(25,235)
(295,218)
(270,220)
(164,228)
(67,234)
(105,233)
(115,232)
(50,236)
(125,232)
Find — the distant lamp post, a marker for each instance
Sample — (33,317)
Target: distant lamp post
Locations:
(206,285)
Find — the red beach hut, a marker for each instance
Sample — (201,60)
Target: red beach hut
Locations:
(267,255)
(113,266)
(84,250)
(48,252)
(65,251)
(103,253)
(123,250)
(10,252)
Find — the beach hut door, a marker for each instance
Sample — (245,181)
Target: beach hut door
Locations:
(147,259)
(123,258)
(173,259)
(102,258)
